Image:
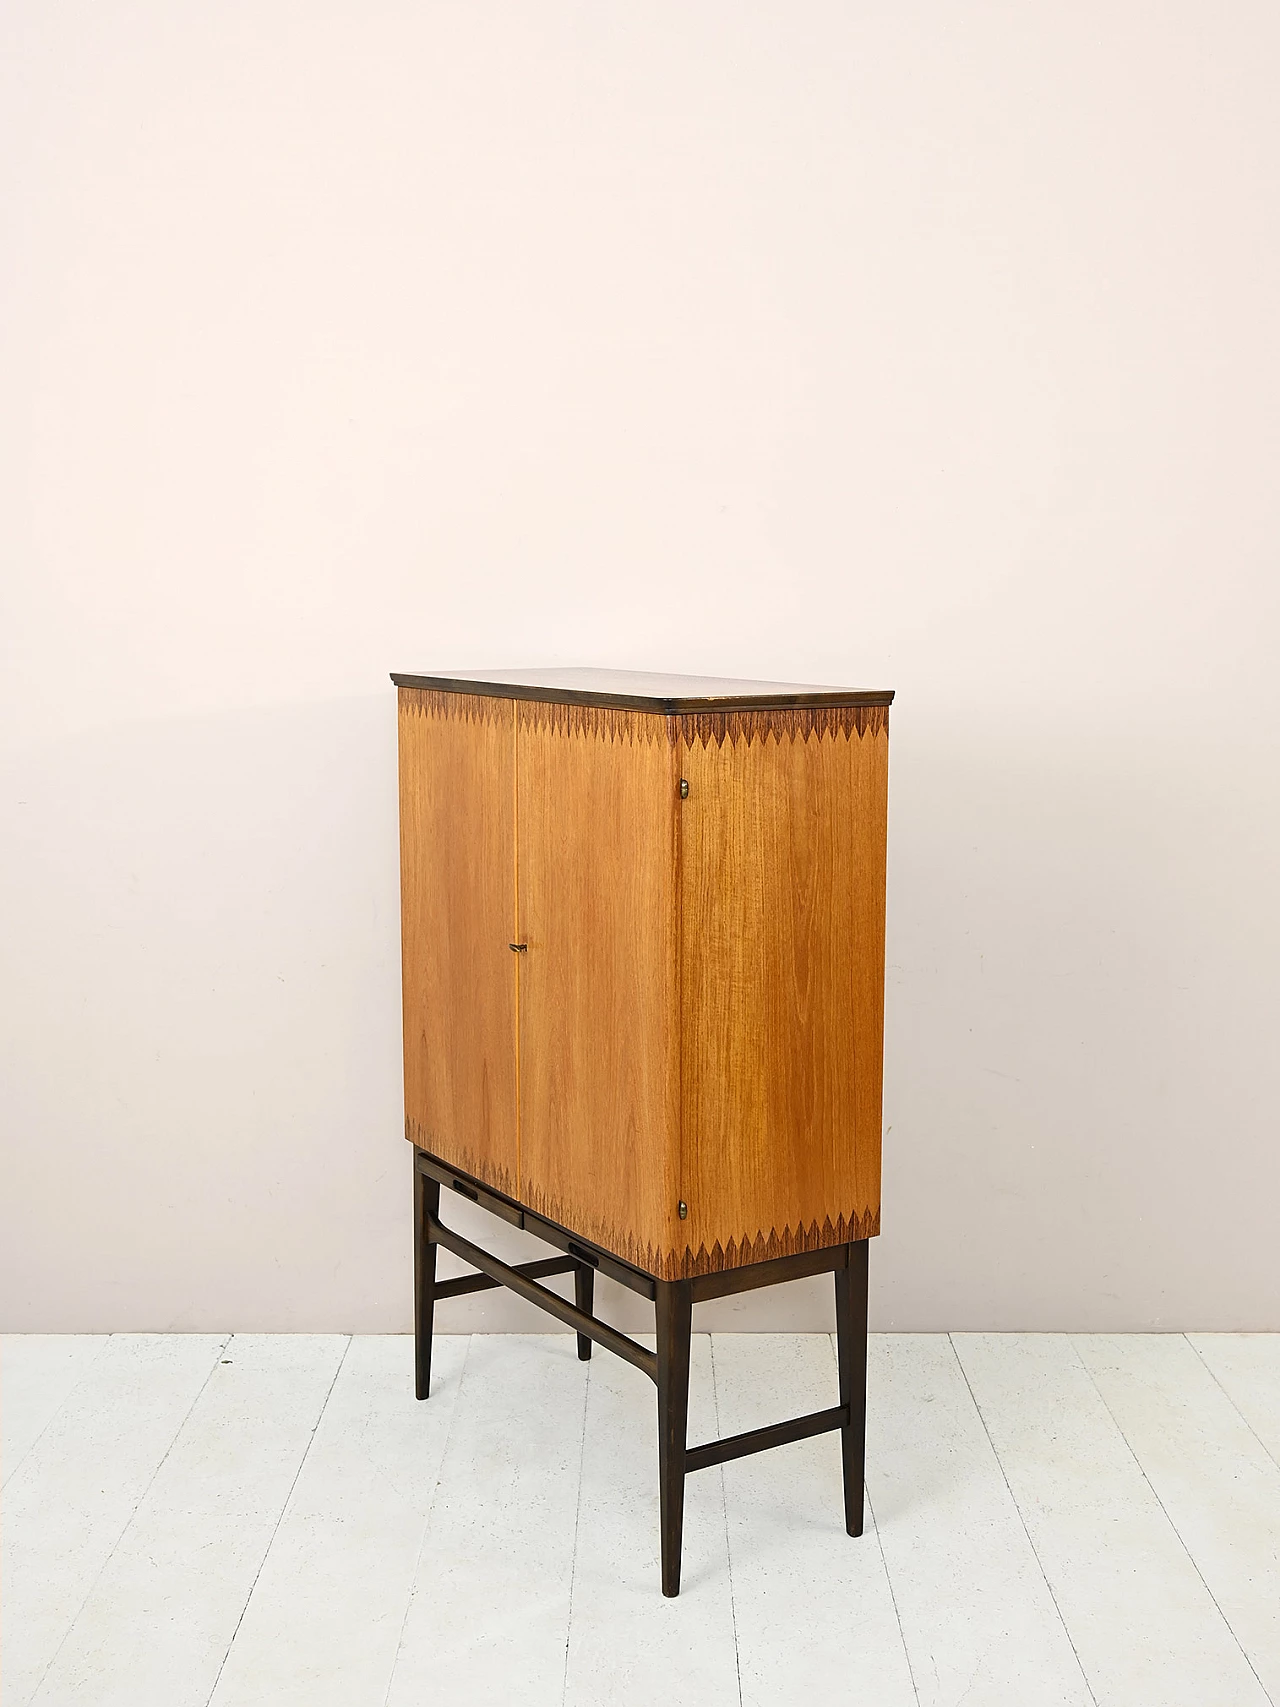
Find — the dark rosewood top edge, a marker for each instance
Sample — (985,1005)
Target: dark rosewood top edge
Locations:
(639,690)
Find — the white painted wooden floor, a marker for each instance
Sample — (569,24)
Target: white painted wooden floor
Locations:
(275,1520)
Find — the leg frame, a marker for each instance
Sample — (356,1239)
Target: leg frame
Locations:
(675,1325)
(851,1357)
(584,1290)
(426,1205)
(669,1366)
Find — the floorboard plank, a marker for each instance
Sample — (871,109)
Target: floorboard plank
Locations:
(1210,1472)
(489,1614)
(352,1545)
(163,1612)
(72,1498)
(325,1617)
(38,1373)
(979,1620)
(626,1642)
(1144,1625)
(813,1606)
(1247,1368)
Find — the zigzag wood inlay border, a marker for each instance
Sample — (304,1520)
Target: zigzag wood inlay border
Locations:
(763,1247)
(672,1263)
(596,722)
(459,707)
(624,1245)
(612,723)
(784,722)
(482,1168)
(669,1263)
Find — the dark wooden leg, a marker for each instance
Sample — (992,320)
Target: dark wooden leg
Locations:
(675,1320)
(584,1290)
(426,1201)
(851,1354)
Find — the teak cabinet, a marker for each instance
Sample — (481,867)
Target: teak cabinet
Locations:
(643,963)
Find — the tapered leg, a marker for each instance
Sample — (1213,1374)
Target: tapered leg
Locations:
(426,1201)
(851,1354)
(584,1290)
(675,1320)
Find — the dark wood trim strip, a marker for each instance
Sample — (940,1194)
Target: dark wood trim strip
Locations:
(762,1439)
(726,1281)
(546,1300)
(662,705)
(539,1270)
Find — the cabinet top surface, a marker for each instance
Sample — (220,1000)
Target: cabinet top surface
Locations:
(638,690)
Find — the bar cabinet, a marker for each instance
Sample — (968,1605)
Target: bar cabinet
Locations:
(643,972)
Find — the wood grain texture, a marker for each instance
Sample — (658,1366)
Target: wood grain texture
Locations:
(697,1013)
(782,896)
(457,896)
(599,987)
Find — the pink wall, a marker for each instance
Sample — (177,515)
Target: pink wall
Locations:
(923,345)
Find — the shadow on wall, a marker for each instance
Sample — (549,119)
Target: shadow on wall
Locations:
(202,1111)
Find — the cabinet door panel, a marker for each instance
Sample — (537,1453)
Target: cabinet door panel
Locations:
(457,883)
(782,887)
(599,1053)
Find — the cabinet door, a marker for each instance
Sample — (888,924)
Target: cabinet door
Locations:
(457,894)
(599,1055)
(782,885)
